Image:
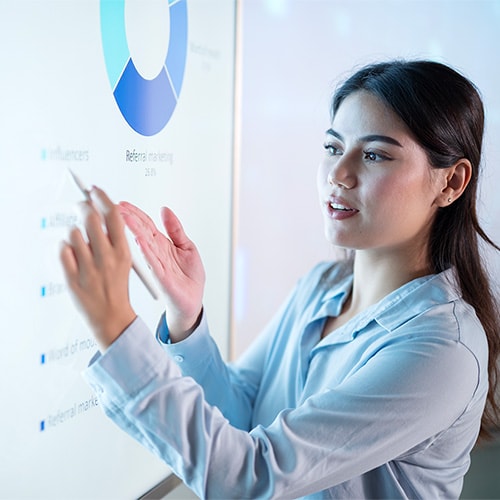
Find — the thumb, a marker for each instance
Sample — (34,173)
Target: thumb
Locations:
(174,228)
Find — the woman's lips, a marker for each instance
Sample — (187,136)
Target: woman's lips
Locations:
(339,209)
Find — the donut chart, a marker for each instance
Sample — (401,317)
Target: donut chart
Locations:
(146,105)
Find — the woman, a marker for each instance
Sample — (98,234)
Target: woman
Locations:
(372,379)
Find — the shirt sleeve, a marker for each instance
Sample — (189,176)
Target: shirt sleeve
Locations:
(232,387)
(400,398)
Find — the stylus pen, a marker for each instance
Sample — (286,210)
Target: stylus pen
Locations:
(145,281)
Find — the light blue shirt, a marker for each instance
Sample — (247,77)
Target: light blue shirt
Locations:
(387,406)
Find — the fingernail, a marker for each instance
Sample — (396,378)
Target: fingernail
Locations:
(97,200)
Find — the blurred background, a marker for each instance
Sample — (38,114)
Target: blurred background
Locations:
(293,53)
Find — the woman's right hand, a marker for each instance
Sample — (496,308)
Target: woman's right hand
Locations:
(176,263)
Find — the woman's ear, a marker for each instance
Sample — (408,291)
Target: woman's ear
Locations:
(456,180)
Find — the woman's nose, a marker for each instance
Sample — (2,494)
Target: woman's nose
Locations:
(341,175)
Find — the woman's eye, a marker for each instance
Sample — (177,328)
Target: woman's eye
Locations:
(371,156)
(332,150)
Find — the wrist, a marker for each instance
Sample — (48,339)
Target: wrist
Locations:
(181,328)
(108,332)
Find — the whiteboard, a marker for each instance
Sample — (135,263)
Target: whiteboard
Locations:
(63,66)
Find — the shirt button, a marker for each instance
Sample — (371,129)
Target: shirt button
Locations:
(178,358)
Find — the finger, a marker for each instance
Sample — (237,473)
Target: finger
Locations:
(151,256)
(98,240)
(174,229)
(112,219)
(70,268)
(81,250)
(69,263)
(101,199)
(133,212)
(138,222)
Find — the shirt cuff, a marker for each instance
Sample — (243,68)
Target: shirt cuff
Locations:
(192,352)
(163,333)
(129,364)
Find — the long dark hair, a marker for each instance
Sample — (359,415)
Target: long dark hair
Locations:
(444,112)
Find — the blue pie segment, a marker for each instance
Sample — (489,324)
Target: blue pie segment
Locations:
(146,105)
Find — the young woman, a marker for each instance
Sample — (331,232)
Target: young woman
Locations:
(373,379)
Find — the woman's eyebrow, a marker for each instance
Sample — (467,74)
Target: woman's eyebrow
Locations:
(380,138)
(330,131)
(368,138)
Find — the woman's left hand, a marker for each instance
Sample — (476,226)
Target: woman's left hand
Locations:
(97,272)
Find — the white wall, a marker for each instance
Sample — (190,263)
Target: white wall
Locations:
(294,51)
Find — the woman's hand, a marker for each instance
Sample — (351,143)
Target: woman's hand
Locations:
(97,272)
(176,263)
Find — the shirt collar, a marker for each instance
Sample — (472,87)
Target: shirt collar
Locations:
(333,299)
(416,297)
(392,311)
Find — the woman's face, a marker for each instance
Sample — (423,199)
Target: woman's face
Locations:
(376,187)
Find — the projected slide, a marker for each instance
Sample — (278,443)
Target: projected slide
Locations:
(135,97)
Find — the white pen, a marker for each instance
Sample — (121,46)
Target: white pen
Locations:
(145,281)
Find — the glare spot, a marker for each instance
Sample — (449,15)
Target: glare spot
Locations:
(276,7)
